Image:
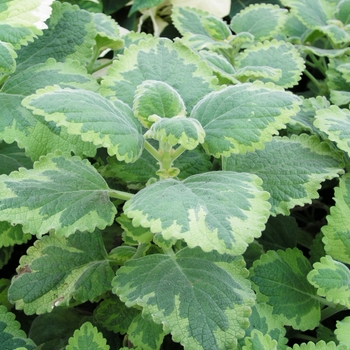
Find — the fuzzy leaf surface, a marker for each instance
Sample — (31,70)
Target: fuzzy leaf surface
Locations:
(337,231)
(187,132)
(278,55)
(11,336)
(220,211)
(279,278)
(61,193)
(241,118)
(292,169)
(161,60)
(342,331)
(87,337)
(21,21)
(7,58)
(106,123)
(253,20)
(159,98)
(36,135)
(11,235)
(192,294)
(57,269)
(70,29)
(335,122)
(332,280)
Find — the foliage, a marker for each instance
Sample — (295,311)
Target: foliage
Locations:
(168,194)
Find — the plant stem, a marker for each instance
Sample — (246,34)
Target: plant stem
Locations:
(93,60)
(178,152)
(330,311)
(102,66)
(141,249)
(120,194)
(312,78)
(152,151)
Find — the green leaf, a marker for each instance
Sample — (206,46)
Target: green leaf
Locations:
(253,20)
(300,164)
(241,118)
(36,135)
(4,286)
(107,29)
(262,319)
(12,157)
(196,21)
(342,11)
(162,60)
(258,73)
(155,97)
(114,315)
(257,340)
(61,193)
(145,333)
(106,123)
(276,54)
(52,330)
(70,29)
(336,232)
(5,255)
(83,272)
(312,13)
(332,280)
(342,331)
(187,132)
(87,337)
(11,336)
(7,58)
(335,122)
(321,345)
(338,82)
(287,289)
(138,234)
(220,211)
(192,294)
(11,235)
(280,233)
(21,21)
(139,5)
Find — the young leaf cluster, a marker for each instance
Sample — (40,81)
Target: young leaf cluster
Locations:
(167,195)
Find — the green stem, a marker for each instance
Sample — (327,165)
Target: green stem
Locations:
(141,249)
(93,60)
(330,311)
(102,66)
(169,251)
(312,78)
(120,195)
(3,79)
(152,151)
(177,153)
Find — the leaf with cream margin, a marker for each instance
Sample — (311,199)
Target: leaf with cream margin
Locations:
(191,293)
(34,134)
(335,122)
(287,289)
(332,280)
(320,345)
(243,117)
(337,231)
(11,235)
(275,54)
(62,193)
(292,169)
(87,337)
(342,331)
(21,21)
(11,336)
(154,97)
(107,123)
(187,132)
(58,269)
(70,29)
(162,60)
(219,9)
(253,20)
(7,58)
(221,210)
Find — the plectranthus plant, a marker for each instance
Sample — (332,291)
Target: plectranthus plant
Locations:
(165,196)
